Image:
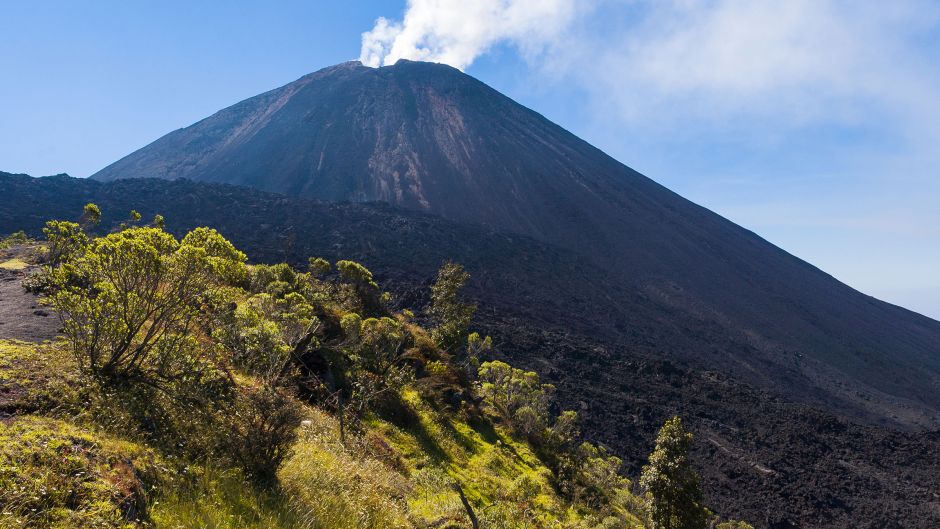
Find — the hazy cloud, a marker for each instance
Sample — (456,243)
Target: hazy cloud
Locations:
(796,62)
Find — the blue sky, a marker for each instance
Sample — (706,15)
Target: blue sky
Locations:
(815,123)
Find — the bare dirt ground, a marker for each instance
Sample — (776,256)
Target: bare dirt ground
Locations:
(22,316)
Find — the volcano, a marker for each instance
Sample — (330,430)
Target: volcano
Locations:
(638,304)
(427,137)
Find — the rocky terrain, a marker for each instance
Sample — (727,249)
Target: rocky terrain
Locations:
(22,316)
(766,457)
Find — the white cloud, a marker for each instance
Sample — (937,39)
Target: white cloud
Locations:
(456,32)
(795,62)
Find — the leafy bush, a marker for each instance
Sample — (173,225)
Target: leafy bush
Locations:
(516,396)
(91,215)
(262,331)
(371,299)
(377,367)
(317,266)
(66,239)
(14,239)
(262,428)
(599,477)
(135,316)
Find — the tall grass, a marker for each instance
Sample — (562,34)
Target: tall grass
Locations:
(222,499)
(332,487)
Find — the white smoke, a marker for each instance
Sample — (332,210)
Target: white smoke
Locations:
(456,32)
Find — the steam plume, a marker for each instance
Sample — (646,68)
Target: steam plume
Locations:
(456,32)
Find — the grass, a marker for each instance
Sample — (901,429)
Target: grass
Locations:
(504,480)
(56,475)
(221,499)
(36,377)
(14,264)
(339,487)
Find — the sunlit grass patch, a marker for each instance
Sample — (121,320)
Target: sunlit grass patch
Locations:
(333,486)
(221,499)
(504,480)
(13,264)
(56,475)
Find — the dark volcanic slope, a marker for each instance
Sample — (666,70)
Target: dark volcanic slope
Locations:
(774,462)
(427,137)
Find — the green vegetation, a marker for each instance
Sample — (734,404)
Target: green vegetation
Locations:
(193,390)
(30,382)
(14,239)
(674,496)
(516,396)
(91,215)
(53,474)
(66,241)
(133,301)
(453,316)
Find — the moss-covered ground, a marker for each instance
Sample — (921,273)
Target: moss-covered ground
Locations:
(13,264)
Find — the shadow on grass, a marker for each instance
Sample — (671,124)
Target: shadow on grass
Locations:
(410,420)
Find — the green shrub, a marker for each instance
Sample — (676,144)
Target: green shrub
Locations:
(453,316)
(261,332)
(134,318)
(672,486)
(14,239)
(262,428)
(66,239)
(370,297)
(318,266)
(91,215)
(516,396)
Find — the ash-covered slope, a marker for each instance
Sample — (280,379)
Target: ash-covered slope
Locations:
(427,137)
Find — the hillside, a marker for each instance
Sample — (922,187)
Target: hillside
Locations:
(215,393)
(706,292)
(756,450)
